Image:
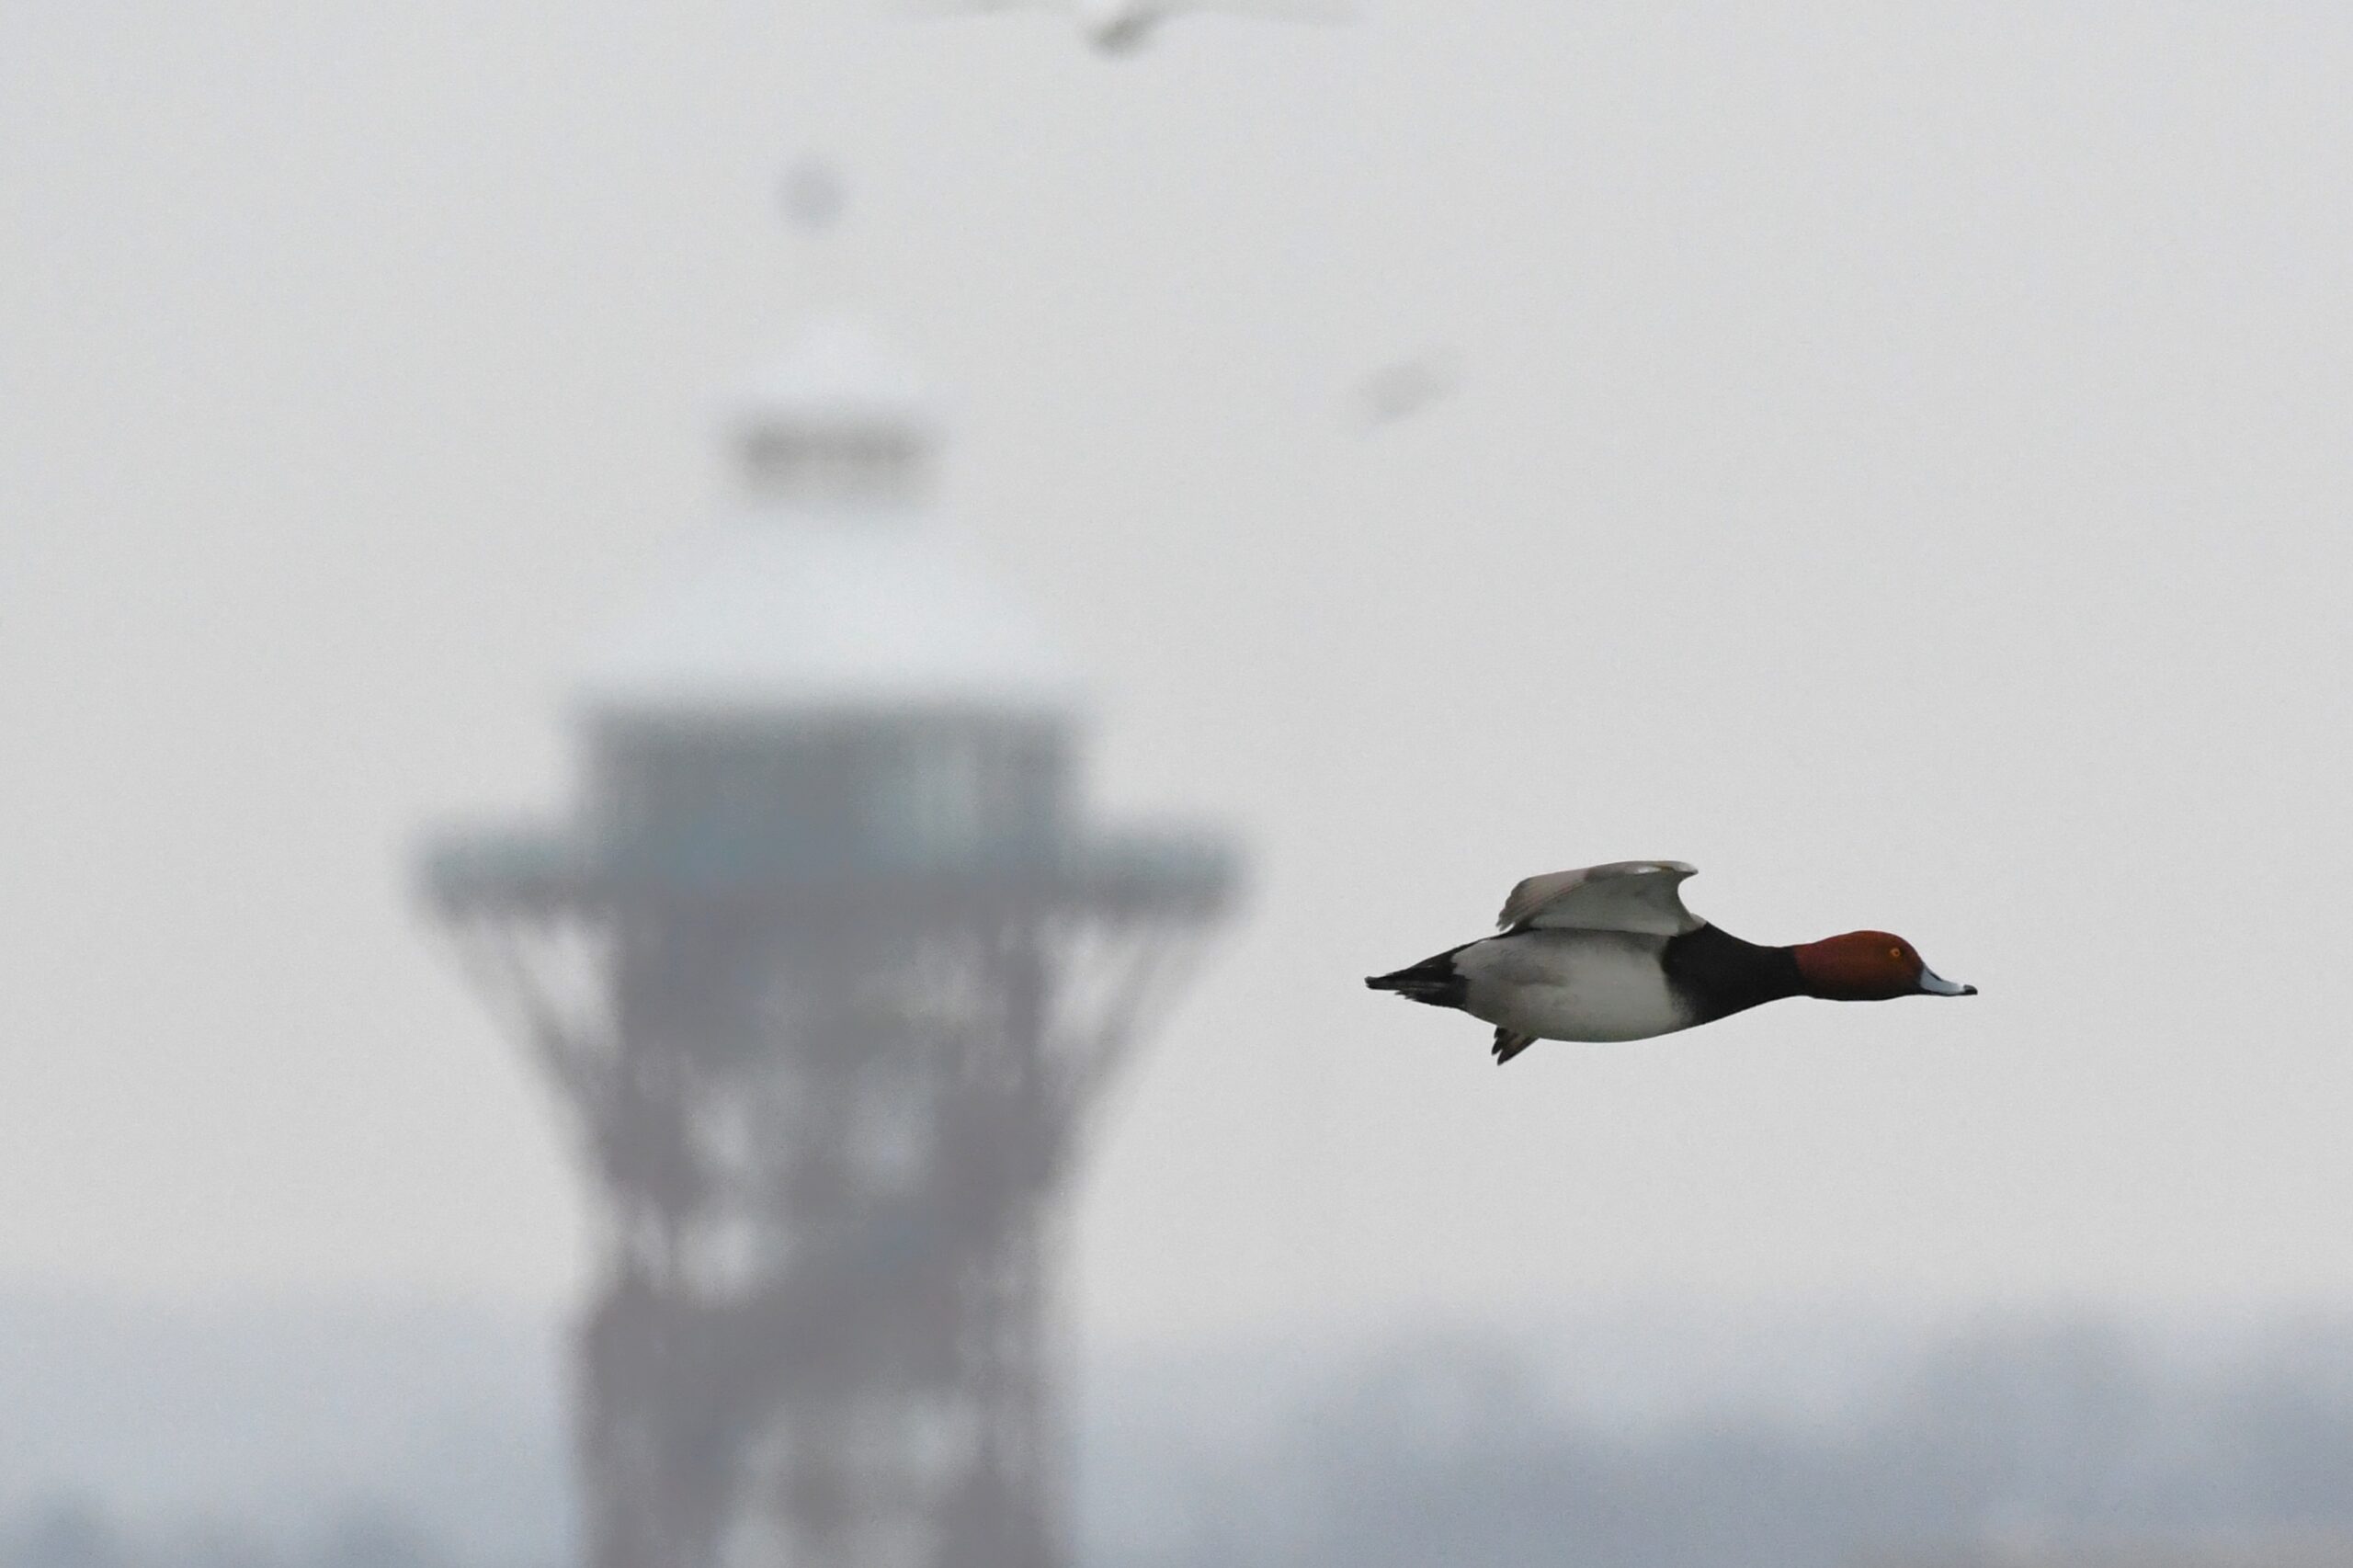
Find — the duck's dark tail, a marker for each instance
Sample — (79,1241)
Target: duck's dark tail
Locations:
(1432,982)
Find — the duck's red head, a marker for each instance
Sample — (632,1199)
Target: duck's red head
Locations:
(1869,966)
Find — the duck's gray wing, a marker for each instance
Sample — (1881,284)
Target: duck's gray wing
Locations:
(1639,896)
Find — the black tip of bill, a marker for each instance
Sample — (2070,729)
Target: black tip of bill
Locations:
(1936,984)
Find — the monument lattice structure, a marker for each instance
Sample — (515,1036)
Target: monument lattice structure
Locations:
(830,974)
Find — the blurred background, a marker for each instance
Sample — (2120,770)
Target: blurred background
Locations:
(1892,459)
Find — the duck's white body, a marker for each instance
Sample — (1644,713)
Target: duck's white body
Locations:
(1586,985)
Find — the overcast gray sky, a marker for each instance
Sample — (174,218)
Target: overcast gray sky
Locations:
(1900,465)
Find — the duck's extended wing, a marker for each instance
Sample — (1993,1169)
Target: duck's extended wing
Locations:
(1641,896)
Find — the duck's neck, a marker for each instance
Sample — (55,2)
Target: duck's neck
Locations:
(1719,975)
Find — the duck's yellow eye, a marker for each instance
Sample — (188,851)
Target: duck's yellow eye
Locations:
(1896,953)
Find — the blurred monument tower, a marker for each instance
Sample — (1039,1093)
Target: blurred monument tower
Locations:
(830,971)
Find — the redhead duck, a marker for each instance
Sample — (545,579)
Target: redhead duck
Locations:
(1609,953)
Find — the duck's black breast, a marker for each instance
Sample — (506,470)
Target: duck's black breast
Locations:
(1716,975)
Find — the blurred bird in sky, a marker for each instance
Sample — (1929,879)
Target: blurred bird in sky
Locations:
(814,196)
(1403,388)
(1124,26)
(1609,953)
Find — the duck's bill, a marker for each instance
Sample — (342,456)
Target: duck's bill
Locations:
(1936,984)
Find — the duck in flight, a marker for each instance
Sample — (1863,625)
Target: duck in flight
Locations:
(1609,953)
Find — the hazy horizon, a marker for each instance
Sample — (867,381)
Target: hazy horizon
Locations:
(310,1433)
